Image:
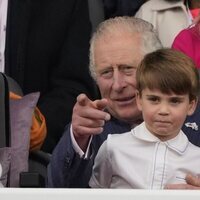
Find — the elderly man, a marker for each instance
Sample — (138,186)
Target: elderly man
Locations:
(116,49)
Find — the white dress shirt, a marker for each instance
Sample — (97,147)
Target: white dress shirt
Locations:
(3,20)
(137,159)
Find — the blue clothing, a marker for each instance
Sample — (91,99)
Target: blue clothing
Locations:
(67,169)
(192,133)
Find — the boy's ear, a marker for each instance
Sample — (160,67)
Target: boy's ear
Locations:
(138,100)
(192,106)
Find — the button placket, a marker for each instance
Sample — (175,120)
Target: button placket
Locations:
(159,165)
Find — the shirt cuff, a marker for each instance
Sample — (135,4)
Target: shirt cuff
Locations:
(76,147)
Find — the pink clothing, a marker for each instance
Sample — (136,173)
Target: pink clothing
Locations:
(188,42)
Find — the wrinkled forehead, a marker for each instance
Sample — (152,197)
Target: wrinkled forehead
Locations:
(108,36)
(118,49)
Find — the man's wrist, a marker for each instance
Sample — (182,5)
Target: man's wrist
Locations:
(78,147)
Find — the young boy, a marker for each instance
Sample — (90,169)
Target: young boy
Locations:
(156,152)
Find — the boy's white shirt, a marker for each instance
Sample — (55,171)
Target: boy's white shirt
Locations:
(138,159)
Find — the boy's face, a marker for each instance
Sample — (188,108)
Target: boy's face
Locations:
(164,114)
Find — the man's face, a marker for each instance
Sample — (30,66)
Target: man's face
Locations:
(116,60)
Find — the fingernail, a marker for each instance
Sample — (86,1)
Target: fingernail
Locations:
(107,117)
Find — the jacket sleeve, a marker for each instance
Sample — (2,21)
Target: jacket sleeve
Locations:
(67,169)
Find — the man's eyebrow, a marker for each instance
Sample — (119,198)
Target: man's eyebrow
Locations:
(105,68)
(126,65)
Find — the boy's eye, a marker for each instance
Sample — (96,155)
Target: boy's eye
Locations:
(153,99)
(175,100)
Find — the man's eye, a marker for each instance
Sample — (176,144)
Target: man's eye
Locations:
(129,69)
(107,73)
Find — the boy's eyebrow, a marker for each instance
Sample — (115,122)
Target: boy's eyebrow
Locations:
(152,96)
(177,97)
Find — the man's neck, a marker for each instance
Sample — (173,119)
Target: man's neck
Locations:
(133,123)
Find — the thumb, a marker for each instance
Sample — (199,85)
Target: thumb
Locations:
(100,104)
(83,100)
(193,180)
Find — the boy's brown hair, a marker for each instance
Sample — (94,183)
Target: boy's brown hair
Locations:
(170,71)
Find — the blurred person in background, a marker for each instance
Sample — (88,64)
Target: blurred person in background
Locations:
(169,17)
(188,41)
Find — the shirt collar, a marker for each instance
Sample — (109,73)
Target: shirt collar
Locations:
(178,144)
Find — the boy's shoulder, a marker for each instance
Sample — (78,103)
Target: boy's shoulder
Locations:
(117,137)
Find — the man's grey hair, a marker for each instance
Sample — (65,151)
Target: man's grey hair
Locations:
(148,37)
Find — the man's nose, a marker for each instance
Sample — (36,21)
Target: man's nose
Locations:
(119,81)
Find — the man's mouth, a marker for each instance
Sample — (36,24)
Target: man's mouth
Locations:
(124,101)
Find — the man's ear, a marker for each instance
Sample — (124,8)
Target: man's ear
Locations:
(138,100)
(192,106)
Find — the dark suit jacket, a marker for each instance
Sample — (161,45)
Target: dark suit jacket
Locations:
(47,50)
(67,169)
